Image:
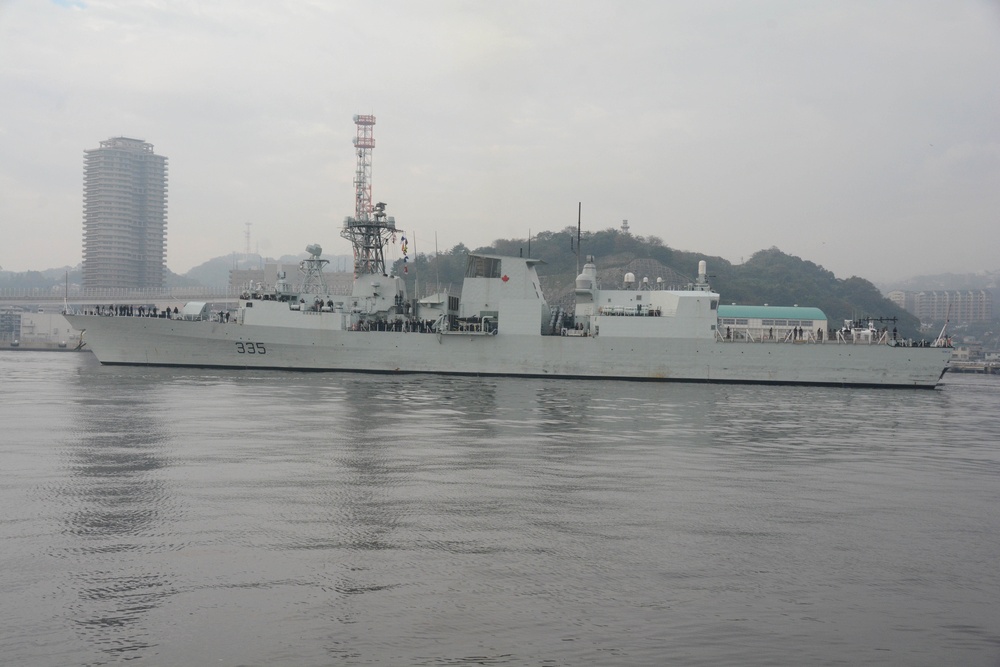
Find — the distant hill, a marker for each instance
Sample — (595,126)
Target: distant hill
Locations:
(212,273)
(946,281)
(55,279)
(215,272)
(47,279)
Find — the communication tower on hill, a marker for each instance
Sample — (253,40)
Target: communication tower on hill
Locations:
(370,229)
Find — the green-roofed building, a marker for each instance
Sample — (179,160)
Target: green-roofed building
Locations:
(771,322)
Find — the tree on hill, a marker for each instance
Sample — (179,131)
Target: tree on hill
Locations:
(213,272)
(49,279)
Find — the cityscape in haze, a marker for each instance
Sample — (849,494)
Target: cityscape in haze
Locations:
(860,136)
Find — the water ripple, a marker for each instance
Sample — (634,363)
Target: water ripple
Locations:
(192,517)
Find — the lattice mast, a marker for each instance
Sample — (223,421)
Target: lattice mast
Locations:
(370,229)
(364,143)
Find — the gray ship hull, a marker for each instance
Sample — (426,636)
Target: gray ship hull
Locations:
(202,344)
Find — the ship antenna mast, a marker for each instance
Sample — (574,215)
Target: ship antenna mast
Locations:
(370,229)
(364,143)
(579,213)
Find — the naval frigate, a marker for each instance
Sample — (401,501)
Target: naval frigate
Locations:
(502,325)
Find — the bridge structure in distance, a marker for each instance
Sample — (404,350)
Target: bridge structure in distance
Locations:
(77,298)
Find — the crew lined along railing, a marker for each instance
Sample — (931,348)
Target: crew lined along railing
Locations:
(839,337)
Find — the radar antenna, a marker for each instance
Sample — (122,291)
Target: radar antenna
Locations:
(311,269)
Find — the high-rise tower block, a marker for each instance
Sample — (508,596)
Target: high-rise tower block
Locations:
(124,215)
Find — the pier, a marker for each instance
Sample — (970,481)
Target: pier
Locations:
(979,367)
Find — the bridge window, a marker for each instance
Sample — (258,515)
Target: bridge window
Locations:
(482,267)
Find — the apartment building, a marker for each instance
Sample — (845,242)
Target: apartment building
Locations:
(124,215)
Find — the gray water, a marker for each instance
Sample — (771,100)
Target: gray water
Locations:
(187,517)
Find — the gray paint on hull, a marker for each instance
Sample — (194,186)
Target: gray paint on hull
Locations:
(160,342)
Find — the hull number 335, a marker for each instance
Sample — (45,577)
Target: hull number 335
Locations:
(250,348)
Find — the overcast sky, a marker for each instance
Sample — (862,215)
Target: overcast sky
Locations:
(860,135)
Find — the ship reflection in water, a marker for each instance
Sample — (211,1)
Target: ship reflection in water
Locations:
(116,508)
(225,517)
